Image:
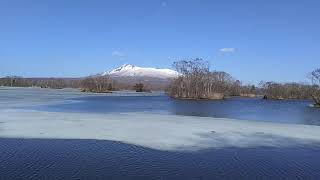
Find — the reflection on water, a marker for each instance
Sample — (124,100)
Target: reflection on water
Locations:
(256,109)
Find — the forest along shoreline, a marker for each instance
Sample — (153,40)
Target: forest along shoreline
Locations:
(195,82)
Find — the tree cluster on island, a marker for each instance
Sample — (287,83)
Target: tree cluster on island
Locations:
(198,82)
(140,87)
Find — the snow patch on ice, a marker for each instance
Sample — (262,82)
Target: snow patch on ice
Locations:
(162,132)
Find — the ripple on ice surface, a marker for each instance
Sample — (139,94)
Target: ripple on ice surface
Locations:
(163,132)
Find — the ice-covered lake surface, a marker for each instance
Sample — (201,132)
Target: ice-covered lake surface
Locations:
(253,109)
(65,134)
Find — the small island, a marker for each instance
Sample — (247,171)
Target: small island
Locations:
(196,81)
(283,91)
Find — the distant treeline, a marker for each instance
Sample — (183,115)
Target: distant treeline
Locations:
(97,84)
(101,84)
(54,83)
(273,90)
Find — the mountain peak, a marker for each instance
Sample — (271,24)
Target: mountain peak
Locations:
(124,67)
(127,66)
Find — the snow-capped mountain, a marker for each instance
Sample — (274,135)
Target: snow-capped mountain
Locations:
(128,70)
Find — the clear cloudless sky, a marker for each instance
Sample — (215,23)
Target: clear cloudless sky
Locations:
(250,39)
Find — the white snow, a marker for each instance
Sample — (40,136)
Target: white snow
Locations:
(162,132)
(128,70)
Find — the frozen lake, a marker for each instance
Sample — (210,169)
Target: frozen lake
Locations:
(65,134)
(254,109)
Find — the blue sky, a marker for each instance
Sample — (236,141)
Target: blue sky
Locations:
(252,40)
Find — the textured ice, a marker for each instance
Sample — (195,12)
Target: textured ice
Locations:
(162,132)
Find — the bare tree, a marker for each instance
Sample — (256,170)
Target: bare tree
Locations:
(315,79)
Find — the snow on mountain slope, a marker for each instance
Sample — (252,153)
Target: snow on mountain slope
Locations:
(128,70)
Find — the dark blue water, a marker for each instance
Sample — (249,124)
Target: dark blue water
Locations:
(91,159)
(256,109)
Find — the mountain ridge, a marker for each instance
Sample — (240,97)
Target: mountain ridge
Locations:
(128,70)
